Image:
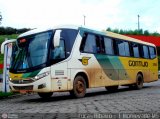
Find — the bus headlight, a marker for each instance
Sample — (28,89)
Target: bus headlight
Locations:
(40,76)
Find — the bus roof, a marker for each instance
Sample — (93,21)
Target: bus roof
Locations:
(105,33)
(118,36)
(38,30)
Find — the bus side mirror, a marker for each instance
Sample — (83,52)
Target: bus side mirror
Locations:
(56,38)
(6,42)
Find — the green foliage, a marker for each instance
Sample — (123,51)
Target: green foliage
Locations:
(108,29)
(155,34)
(116,30)
(121,31)
(1,58)
(5,94)
(2,37)
(10,30)
(146,33)
(133,32)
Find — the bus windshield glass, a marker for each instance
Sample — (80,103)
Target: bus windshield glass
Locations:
(32,51)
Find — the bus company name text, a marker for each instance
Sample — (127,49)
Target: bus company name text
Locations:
(137,63)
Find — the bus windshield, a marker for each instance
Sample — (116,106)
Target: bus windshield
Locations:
(32,51)
(36,51)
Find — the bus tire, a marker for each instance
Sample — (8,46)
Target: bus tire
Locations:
(79,87)
(111,88)
(139,81)
(45,95)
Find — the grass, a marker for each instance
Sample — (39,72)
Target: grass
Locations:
(5,94)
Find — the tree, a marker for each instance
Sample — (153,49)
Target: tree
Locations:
(10,30)
(140,32)
(116,30)
(121,31)
(108,29)
(155,34)
(133,32)
(146,33)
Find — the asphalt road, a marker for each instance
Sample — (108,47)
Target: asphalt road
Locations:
(97,101)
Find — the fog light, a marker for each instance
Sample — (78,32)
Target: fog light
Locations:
(42,86)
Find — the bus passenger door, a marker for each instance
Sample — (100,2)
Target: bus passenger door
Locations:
(59,68)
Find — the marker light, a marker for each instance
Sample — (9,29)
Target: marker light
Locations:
(22,40)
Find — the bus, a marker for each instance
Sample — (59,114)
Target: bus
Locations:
(72,58)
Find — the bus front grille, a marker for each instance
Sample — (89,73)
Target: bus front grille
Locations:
(22,81)
(23,87)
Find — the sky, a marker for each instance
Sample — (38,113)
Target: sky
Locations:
(99,14)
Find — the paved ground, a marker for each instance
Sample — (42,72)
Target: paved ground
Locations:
(97,101)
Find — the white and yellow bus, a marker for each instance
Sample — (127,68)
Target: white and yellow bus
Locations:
(70,58)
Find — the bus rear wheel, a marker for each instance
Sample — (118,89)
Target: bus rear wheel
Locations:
(45,95)
(79,87)
(111,88)
(139,82)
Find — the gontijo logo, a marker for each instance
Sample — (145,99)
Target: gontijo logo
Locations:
(137,63)
(84,60)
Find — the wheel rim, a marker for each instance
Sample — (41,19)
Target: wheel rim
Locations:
(80,88)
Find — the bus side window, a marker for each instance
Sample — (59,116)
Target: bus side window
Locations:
(152,52)
(127,50)
(123,48)
(58,52)
(135,50)
(120,46)
(108,46)
(90,44)
(145,52)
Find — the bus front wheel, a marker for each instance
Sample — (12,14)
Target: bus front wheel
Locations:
(45,95)
(79,87)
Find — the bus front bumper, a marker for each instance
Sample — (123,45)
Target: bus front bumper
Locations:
(42,85)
